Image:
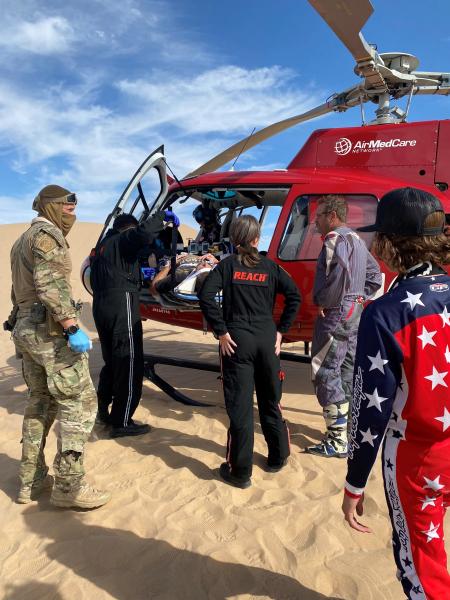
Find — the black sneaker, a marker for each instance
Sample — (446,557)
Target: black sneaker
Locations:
(274,468)
(228,477)
(131,429)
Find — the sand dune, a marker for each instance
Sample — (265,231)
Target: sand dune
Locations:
(172,530)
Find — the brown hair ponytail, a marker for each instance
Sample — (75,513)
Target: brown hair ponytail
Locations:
(243,231)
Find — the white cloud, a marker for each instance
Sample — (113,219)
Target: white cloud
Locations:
(48,35)
(227,99)
(86,114)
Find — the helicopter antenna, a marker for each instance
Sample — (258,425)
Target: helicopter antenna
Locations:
(246,141)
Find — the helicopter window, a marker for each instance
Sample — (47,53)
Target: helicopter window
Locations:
(296,230)
(263,203)
(301,240)
(268,223)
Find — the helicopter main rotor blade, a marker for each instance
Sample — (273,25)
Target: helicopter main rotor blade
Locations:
(346,18)
(432,90)
(439,77)
(260,136)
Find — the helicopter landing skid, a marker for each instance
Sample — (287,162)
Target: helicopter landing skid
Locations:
(151,360)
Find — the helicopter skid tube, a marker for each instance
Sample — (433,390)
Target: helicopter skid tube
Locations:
(151,360)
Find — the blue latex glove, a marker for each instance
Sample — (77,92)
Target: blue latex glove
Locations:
(79,341)
(171,217)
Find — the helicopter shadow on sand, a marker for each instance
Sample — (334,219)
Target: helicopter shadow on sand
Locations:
(140,568)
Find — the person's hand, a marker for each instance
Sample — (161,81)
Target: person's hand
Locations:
(210,258)
(227,345)
(171,217)
(79,341)
(278,343)
(349,507)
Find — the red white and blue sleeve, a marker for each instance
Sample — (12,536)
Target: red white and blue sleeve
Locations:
(377,378)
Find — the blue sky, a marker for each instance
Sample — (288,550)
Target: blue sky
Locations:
(89,88)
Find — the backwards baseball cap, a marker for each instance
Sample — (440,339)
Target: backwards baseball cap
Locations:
(403,212)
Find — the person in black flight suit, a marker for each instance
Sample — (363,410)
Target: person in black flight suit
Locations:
(250,344)
(115,280)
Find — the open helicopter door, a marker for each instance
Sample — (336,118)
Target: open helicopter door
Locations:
(144,194)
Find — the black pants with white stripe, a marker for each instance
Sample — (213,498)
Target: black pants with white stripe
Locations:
(119,326)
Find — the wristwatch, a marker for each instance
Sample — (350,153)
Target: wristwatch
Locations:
(71,330)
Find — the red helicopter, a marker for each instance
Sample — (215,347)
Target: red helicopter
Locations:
(361,163)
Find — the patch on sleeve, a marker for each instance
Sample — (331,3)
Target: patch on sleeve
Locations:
(45,243)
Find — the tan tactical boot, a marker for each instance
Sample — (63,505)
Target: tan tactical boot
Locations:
(84,496)
(28,493)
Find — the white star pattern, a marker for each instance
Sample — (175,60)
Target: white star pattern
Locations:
(432,533)
(428,502)
(377,362)
(413,300)
(445,419)
(447,354)
(375,399)
(426,337)
(433,484)
(368,437)
(437,378)
(445,316)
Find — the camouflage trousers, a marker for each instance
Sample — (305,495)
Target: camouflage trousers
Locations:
(59,384)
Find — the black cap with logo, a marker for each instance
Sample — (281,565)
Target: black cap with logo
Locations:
(403,212)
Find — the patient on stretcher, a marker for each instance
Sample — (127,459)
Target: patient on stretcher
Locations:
(183,285)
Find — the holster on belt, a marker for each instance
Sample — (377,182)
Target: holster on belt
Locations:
(38,313)
(11,321)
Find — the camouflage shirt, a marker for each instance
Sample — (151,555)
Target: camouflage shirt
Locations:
(40,270)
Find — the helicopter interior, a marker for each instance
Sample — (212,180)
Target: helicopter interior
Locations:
(300,240)
(264,203)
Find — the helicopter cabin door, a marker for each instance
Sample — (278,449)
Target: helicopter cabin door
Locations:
(145,192)
(297,242)
(143,196)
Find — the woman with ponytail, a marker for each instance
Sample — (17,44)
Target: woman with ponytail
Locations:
(250,344)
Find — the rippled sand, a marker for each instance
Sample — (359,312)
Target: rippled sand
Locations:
(173,530)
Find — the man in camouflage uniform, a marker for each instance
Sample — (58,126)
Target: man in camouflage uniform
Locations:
(346,275)
(54,353)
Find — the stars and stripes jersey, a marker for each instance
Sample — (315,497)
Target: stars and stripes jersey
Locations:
(401,376)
